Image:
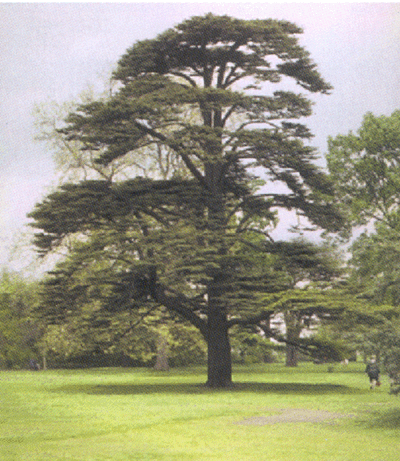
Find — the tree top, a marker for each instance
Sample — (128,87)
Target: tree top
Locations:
(231,48)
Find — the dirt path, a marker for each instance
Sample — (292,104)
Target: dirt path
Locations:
(293,415)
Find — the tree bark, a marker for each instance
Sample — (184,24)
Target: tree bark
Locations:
(219,350)
(162,354)
(44,358)
(291,355)
(293,330)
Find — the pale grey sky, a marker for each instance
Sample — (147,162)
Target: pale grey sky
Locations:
(53,51)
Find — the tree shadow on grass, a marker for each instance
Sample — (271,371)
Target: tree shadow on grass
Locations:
(383,419)
(188,388)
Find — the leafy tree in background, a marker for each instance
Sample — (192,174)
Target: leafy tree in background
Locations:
(311,270)
(196,243)
(366,169)
(375,266)
(74,163)
(19,333)
(375,277)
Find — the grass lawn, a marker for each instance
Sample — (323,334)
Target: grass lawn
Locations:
(139,414)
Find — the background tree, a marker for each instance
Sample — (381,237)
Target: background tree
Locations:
(187,243)
(375,278)
(375,266)
(19,333)
(311,269)
(365,167)
(75,162)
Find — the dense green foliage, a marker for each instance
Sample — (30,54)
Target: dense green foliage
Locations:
(195,242)
(19,332)
(366,169)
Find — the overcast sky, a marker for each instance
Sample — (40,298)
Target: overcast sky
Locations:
(53,51)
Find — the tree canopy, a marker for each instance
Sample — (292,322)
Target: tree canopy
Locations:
(365,167)
(19,332)
(197,242)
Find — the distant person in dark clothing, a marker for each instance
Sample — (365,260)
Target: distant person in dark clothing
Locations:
(373,372)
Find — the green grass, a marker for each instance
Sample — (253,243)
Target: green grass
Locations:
(140,414)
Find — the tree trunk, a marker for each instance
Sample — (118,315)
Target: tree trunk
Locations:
(162,354)
(219,351)
(44,358)
(291,356)
(293,330)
